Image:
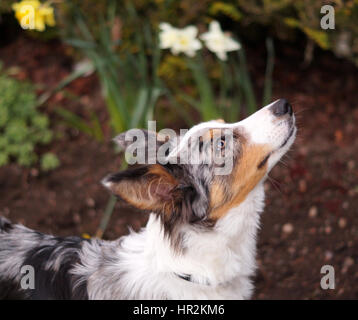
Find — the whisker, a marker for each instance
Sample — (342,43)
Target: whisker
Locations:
(275,183)
(289,157)
(300,111)
(283,162)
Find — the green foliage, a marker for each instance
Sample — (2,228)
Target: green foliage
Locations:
(227,9)
(125,54)
(92,129)
(285,16)
(318,36)
(230,93)
(130,87)
(5,6)
(49,161)
(286,19)
(22,126)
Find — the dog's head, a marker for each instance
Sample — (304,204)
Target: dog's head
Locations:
(198,189)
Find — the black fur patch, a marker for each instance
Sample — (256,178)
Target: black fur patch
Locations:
(10,290)
(5,225)
(131,173)
(52,277)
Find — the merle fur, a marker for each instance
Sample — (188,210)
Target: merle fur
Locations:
(53,279)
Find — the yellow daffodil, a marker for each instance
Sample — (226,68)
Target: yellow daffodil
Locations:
(86,236)
(32,14)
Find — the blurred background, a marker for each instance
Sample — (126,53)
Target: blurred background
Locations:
(87,70)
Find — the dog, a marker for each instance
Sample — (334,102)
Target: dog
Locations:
(200,239)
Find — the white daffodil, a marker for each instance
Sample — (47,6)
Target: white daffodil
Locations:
(179,40)
(219,42)
(167,36)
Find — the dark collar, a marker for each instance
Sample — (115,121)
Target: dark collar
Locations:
(188,277)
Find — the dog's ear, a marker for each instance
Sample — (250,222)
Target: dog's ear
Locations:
(149,187)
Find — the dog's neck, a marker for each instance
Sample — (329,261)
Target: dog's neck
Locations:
(220,262)
(212,258)
(217,256)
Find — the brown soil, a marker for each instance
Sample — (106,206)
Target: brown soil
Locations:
(310,218)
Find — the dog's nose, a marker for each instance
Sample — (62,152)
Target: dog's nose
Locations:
(281,107)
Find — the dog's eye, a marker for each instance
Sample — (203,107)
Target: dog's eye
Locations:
(221,143)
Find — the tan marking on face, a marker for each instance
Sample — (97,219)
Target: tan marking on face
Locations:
(210,134)
(217,194)
(229,193)
(207,136)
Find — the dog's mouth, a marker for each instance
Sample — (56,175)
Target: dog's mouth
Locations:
(291,132)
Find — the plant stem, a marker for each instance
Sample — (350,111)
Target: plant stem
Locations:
(106,217)
(269,70)
(108,211)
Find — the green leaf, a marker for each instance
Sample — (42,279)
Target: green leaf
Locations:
(190,100)
(74,121)
(207,105)
(245,81)
(156,93)
(82,44)
(49,161)
(96,127)
(4,159)
(318,36)
(292,22)
(227,9)
(139,108)
(269,71)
